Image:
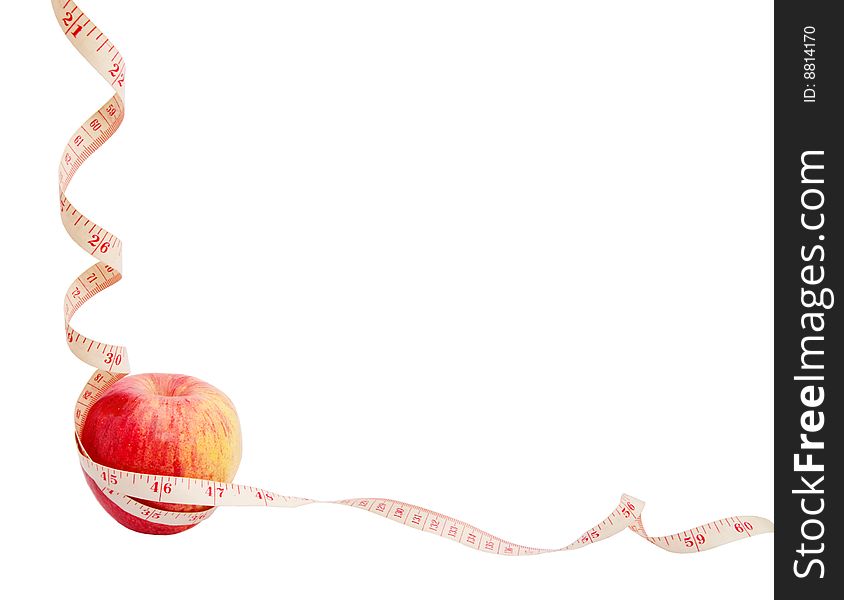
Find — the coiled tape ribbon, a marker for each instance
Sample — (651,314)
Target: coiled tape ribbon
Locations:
(127,489)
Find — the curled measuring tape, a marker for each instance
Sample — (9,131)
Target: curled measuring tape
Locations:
(127,491)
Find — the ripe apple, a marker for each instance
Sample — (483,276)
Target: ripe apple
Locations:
(162,424)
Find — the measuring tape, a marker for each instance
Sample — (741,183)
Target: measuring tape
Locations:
(127,490)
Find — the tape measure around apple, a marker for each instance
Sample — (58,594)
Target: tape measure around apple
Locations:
(162,503)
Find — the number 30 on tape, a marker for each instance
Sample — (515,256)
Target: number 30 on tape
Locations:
(128,490)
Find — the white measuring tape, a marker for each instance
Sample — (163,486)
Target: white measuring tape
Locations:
(127,490)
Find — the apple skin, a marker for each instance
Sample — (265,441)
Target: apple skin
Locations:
(162,424)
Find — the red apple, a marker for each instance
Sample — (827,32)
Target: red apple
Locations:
(162,424)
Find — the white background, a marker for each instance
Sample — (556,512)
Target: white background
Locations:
(502,259)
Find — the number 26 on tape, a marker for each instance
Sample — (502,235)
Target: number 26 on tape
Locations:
(94,242)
